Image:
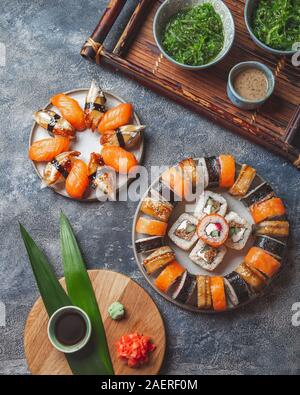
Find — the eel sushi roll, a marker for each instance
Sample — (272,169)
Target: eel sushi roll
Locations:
(158,259)
(267,209)
(243,182)
(169,276)
(218,295)
(209,258)
(273,228)
(204,296)
(237,290)
(210,203)
(214,170)
(255,280)
(156,207)
(213,230)
(149,244)
(259,260)
(185,288)
(260,193)
(151,227)
(183,232)
(239,231)
(272,246)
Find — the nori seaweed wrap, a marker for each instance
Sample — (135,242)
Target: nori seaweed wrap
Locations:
(213,169)
(273,246)
(261,192)
(239,286)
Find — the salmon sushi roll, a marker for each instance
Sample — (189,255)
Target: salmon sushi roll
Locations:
(176,179)
(169,276)
(183,232)
(227,171)
(255,280)
(77,180)
(210,203)
(213,230)
(209,258)
(218,294)
(151,227)
(258,259)
(243,182)
(204,296)
(239,231)
(159,259)
(267,209)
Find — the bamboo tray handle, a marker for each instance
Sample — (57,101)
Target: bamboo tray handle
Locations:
(93,46)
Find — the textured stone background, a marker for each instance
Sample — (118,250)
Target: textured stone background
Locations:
(43,40)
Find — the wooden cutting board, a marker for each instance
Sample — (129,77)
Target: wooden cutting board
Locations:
(142,316)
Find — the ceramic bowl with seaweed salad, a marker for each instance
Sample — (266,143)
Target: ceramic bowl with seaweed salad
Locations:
(274,25)
(194,34)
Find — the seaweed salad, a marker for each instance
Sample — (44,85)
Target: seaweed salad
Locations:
(277,23)
(194,36)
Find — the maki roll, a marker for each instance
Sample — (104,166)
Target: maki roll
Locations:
(203,173)
(213,230)
(158,259)
(169,276)
(267,209)
(259,260)
(185,288)
(236,288)
(272,246)
(183,232)
(210,203)
(189,168)
(209,258)
(261,193)
(227,171)
(167,193)
(157,208)
(149,244)
(178,180)
(239,231)
(151,227)
(213,169)
(253,278)
(204,296)
(273,228)
(243,182)
(218,294)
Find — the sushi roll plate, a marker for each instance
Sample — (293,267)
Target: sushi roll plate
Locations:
(244,259)
(85,142)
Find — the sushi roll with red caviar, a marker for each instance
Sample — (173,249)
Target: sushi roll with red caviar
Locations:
(213,230)
(227,171)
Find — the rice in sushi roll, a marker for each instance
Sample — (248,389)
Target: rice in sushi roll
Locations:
(210,203)
(209,258)
(239,231)
(213,230)
(183,232)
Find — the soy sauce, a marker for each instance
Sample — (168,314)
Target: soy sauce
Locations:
(70,328)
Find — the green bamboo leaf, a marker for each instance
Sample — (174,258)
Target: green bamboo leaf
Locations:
(80,289)
(54,297)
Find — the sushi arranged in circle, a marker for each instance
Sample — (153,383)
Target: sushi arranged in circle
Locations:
(210,230)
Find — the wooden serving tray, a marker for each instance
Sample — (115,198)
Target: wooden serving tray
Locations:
(275,125)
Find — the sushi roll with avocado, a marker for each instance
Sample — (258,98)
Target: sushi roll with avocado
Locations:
(213,230)
(239,231)
(185,288)
(272,246)
(210,203)
(237,290)
(209,258)
(183,232)
(260,193)
(159,259)
(149,244)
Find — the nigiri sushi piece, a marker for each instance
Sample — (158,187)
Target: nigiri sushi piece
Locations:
(70,110)
(204,297)
(95,106)
(54,123)
(101,179)
(273,228)
(151,227)
(77,180)
(258,259)
(255,280)
(115,117)
(126,136)
(158,259)
(267,209)
(218,294)
(47,149)
(227,171)
(243,182)
(119,159)
(58,169)
(168,276)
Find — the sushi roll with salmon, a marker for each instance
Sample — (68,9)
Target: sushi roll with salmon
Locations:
(151,227)
(183,232)
(204,296)
(260,261)
(260,193)
(158,259)
(213,170)
(213,230)
(268,209)
(218,294)
(279,229)
(210,203)
(116,117)
(167,193)
(272,246)
(255,280)
(236,288)
(209,258)
(239,231)
(157,208)
(179,181)
(185,289)
(227,171)
(243,182)
(169,276)
(148,244)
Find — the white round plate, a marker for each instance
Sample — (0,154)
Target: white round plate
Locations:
(85,142)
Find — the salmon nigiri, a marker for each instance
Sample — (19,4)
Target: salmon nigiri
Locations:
(77,180)
(118,158)
(47,149)
(70,110)
(116,117)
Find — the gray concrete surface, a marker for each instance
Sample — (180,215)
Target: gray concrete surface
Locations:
(43,41)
